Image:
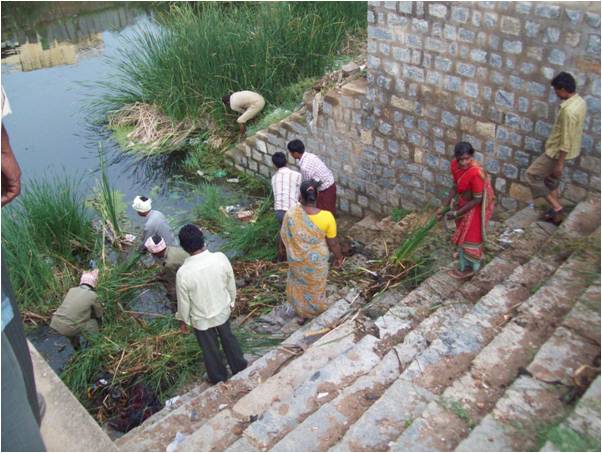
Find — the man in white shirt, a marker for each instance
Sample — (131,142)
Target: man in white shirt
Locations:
(285,185)
(248,103)
(312,167)
(206,292)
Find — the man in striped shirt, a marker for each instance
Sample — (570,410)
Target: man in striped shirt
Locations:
(285,185)
(312,167)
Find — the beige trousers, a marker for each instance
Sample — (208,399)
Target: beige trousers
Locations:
(539,176)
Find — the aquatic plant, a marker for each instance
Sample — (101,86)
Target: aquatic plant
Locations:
(46,236)
(204,50)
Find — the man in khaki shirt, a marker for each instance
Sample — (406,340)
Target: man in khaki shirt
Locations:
(170,258)
(248,103)
(564,143)
(206,291)
(80,310)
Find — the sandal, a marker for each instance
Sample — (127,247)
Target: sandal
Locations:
(551,214)
(460,275)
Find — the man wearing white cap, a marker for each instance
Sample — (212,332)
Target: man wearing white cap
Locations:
(171,258)
(156,223)
(80,310)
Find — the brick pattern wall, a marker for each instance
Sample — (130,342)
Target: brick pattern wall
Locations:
(438,73)
(441,72)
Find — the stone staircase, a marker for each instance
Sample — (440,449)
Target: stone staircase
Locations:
(488,364)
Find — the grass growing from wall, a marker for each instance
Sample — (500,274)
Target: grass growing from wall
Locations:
(205,50)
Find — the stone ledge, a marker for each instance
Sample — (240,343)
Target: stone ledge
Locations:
(66,426)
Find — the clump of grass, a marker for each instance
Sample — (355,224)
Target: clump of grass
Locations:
(205,50)
(404,252)
(46,236)
(566,439)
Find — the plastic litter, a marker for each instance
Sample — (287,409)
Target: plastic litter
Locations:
(200,173)
(177,440)
(170,402)
(233,180)
(322,395)
(129,237)
(222,406)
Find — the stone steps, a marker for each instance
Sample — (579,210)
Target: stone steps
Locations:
(583,423)
(190,412)
(427,371)
(470,397)
(325,426)
(445,359)
(536,401)
(225,426)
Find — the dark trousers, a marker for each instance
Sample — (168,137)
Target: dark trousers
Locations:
(212,356)
(15,335)
(327,199)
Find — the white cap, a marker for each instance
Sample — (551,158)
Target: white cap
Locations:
(141,205)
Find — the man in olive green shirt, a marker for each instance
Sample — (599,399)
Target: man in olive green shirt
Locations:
(80,310)
(171,258)
(564,143)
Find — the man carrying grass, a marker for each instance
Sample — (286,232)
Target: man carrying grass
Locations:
(248,103)
(206,291)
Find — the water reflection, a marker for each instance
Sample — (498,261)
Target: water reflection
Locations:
(45,34)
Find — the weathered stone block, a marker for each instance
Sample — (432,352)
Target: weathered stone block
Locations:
(557,56)
(460,14)
(523,7)
(532,29)
(495,60)
(402,54)
(547,11)
(471,89)
(486,130)
(449,119)
(580,177)
(500,185)
(379,33)
(492,166)
(510,25)
(574,15)
(452,83)
(551,35)
(438,10)
(478,55)
(504,99)
(420,25)
(593,45)
(510,171)
(593,19)
(466,35)
(543,128)
(513,47)
(520,192)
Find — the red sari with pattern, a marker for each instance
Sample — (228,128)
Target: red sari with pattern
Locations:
(472,182)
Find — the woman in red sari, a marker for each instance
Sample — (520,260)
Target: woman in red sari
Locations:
(471,211)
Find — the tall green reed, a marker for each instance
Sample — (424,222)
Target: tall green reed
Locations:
(46,234)
(204,50)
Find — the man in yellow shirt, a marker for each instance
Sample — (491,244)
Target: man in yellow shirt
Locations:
(564,143)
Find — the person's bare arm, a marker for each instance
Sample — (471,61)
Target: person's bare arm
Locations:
(11,173)
(335,248)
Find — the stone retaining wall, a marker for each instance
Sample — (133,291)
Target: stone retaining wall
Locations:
(441,72)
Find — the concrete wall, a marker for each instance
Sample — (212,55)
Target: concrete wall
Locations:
(441,72)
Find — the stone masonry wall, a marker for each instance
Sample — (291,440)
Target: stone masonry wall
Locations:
(438,73)
(441,72)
